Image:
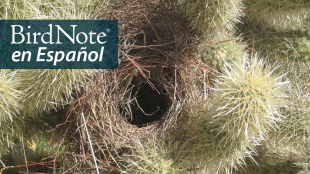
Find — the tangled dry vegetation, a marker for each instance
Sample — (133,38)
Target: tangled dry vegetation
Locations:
(191,94)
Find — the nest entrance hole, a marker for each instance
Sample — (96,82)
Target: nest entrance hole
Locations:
(148,105)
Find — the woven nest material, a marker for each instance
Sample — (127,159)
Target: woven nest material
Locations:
(159,77)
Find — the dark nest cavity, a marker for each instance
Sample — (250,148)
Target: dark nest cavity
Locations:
(149,105)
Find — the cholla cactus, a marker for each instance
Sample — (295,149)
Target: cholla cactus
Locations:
(60,9)
(43,9)
(297,123)
(9,132)
(292,45)
(208,15)
(248,99)
(48,89)
(156,156)
(45,89)
(10,102)
(15,9)
(291,142)
(36,146)
(283,16)
(224,46)
(280,20)
(279,29)
(246,103)
(287,149)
